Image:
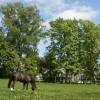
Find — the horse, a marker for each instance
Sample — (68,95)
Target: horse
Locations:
(21,77)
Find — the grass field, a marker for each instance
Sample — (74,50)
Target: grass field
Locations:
(50,91)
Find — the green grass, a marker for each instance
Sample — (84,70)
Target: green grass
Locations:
(50,91)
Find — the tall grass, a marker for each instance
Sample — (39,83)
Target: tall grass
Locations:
(50,91)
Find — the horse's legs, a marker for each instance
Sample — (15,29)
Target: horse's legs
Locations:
(13,84)
(27,86)
(24,85)
(9,83)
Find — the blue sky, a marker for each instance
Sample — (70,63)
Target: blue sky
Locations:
(67,9)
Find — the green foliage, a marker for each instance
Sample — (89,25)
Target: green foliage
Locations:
(91,35)
(74,44)
(21,28)
(47,67)
(31,65)
(9,59)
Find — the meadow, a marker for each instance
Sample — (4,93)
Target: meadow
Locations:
(51,91)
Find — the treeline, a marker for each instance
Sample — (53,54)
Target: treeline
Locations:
(74,48)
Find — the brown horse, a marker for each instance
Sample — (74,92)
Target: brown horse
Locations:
(21,77)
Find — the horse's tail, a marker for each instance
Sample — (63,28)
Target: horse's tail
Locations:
(9,83)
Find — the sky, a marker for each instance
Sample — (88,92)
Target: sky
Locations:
(67,9)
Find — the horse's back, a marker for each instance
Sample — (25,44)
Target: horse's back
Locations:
(21,77)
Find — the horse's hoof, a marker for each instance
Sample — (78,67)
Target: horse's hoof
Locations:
(11,89)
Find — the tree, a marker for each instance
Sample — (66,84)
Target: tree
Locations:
(64,42)
(91,48)
(9,59)
(21,26)
(74,43)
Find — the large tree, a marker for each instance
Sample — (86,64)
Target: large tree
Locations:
(21,27)
(75,44)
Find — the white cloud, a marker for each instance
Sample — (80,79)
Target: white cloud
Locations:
(4,2)
(51,9)
(48,8)
(67,9)
(80,12)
